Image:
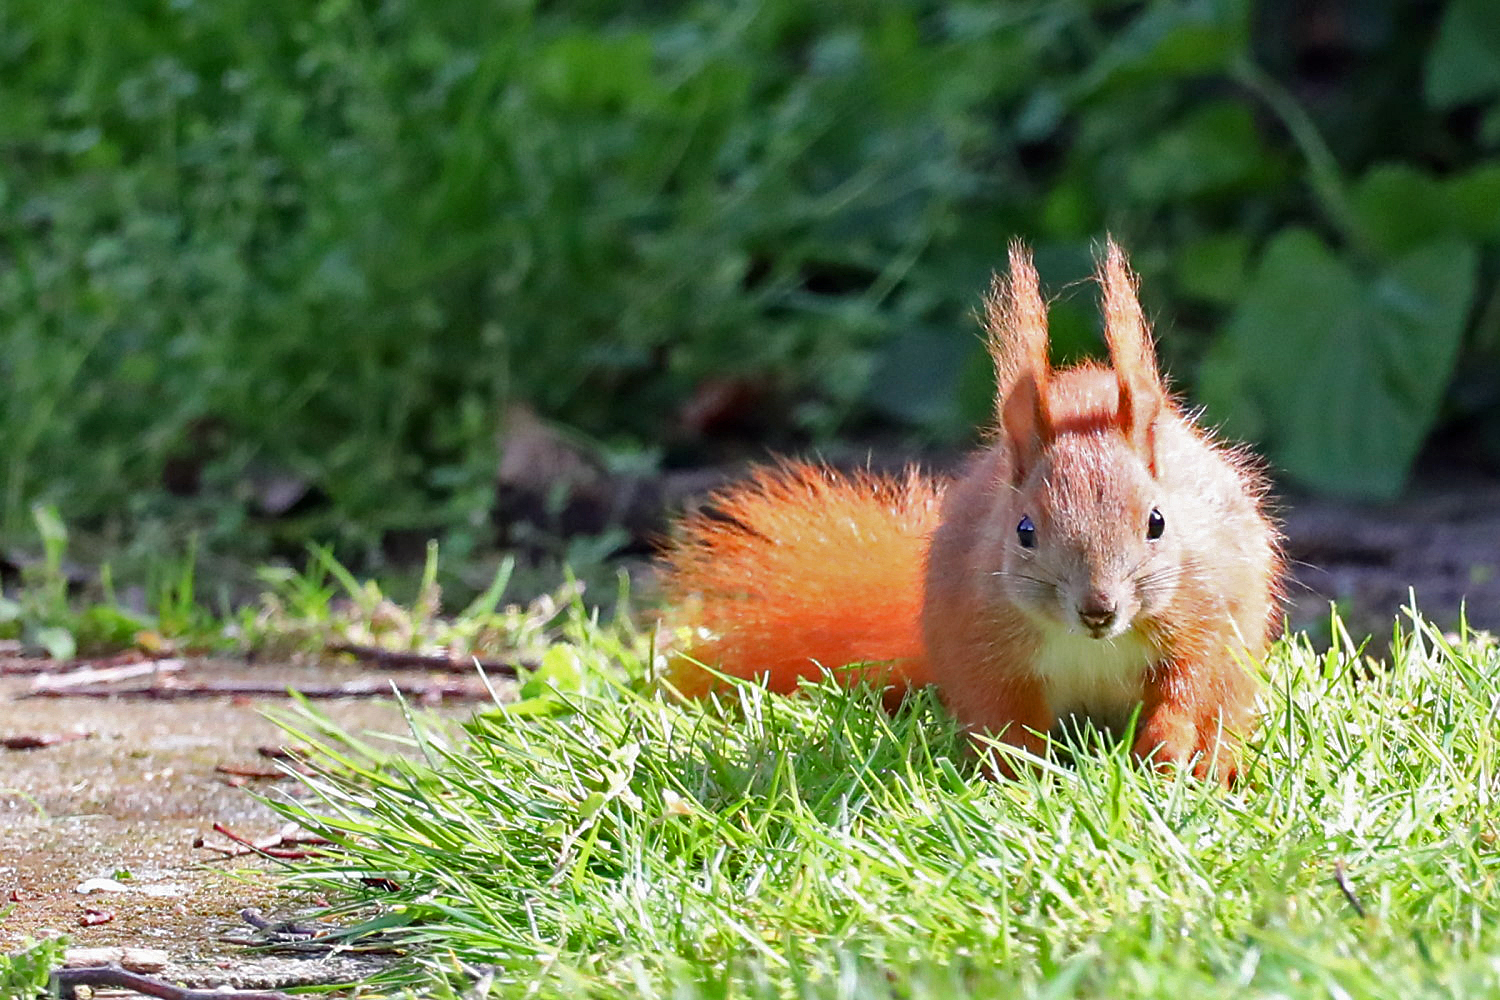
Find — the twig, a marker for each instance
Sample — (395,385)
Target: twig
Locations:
(1342,878)
(65,983)
(41,741)
(12,665)
(104,675)
(284,929)
(241,771)
(446,662)
(298,937)
(416,691)
(28,666)
(276,846)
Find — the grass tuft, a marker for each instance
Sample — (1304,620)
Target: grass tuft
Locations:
(599,840)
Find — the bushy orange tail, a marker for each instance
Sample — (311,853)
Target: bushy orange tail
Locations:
(799,569)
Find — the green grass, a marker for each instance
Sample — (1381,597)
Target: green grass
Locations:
(597,840)
(293,613)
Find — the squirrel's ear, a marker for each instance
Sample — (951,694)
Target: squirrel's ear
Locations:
(1015,319)
(1026,422)
(1131,353)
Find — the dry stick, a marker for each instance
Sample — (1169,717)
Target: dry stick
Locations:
(273,847)
(65,983)
(285,928)
(41,741)
(241,771)
(284,845)
(25,666)
(28,666)
(221,689)
(1342,878)
(103,675)
(397,659)
(300,937)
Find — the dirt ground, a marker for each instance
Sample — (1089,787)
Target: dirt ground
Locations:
(128,804)
(1441,543)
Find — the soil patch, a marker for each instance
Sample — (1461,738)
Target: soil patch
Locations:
(128,803)
(1441,543)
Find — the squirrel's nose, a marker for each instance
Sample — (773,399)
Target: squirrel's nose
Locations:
(1097,616)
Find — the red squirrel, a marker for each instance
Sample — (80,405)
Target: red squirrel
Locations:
(1103,556)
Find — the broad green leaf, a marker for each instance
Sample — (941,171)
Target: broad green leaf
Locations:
(1070,210)
(596,70)
(1475,196)
(1464,64)
(1213,268)
(1346,371)
(54,533)
(1217,148)
(1401,207)
(559,673)
(1224,387)
(916,377)
(1174,39)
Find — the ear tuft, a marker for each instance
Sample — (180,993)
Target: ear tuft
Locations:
(1016,321)
(1131,352)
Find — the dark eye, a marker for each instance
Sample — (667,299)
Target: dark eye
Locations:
(1026,532)
(1155,524)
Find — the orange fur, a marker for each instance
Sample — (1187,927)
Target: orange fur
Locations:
(800,569)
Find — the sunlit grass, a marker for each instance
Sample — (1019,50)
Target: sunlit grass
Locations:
(603,840)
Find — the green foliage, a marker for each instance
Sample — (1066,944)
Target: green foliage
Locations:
(296,613)
(325,605)
(25,974)
(42,615)
(1462,68)
(626,845)
(253,249)
(1373,358)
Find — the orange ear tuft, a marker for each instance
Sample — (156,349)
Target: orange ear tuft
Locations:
(1131,351)
(1016,320)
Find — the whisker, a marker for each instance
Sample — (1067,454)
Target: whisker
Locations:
(1026,576)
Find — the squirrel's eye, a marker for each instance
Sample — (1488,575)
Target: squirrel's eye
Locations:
(1026,532)
(1155,524)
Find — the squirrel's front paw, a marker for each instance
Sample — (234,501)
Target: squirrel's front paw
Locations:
(1166,741)
(1218,759)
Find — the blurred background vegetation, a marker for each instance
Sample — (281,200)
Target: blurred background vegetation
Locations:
(278,271)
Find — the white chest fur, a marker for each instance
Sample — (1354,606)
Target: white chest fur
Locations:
(1100,678)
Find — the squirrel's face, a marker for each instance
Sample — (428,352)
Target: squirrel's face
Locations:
(1091,548)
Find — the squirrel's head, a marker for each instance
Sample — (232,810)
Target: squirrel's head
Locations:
(1091,549)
